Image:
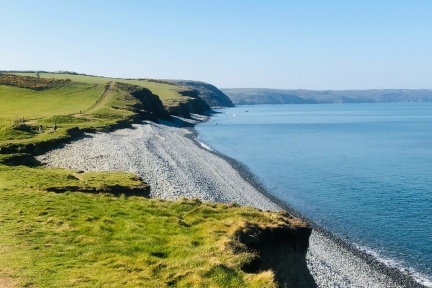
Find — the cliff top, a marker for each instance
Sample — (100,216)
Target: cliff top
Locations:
(132,241)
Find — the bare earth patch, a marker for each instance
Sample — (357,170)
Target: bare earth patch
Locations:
(8,283)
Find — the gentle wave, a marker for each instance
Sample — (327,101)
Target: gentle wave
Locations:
(205,146)
(401,266)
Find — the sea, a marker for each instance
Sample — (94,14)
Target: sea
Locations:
(362,171)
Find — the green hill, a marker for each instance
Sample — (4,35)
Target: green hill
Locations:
(30,108)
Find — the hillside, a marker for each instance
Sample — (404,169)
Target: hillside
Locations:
(29,111)
(251,96)
(70,228)
(195,96)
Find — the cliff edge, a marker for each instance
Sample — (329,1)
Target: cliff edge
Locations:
(279,247)
(211,95)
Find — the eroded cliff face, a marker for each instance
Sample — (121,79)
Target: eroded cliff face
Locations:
(280,248)
(191,104)
(142,190)
(150,107)
(211,95)
(147,105)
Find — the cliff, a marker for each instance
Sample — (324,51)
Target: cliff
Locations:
(150,107)
(191,104)
(280,247)
(251,96)
(211,95)
(143,102)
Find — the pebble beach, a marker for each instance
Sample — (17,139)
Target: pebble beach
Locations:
(177,166)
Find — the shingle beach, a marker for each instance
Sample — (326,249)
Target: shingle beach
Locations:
(174,165)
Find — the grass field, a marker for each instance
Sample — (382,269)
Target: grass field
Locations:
(166,92)
(84,240)
(30,104)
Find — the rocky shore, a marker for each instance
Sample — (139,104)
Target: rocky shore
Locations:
(170,160)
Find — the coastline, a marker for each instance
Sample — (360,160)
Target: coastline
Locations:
(321,233)
(332,261)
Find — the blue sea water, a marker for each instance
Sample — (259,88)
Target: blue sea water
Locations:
(363,171)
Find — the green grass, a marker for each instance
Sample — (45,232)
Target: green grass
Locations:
(74,104)
(30,104)
(167,93)
(92,240)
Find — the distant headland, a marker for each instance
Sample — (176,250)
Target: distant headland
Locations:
(252,96)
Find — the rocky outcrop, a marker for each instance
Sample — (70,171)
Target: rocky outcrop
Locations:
(150,107)
(188,107)
(280,248)
(192,104)
(211,95)
(147,105)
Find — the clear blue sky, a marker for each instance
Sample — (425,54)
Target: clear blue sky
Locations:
(356,44)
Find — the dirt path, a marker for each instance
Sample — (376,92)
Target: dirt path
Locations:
(103,99)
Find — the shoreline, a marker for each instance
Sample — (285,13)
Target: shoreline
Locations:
(344,266)
(404,279)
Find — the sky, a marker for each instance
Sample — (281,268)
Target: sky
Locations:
(322,44)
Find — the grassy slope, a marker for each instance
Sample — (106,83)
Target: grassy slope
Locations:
(65,100)
(86,240)
(74,104)
(166,92)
